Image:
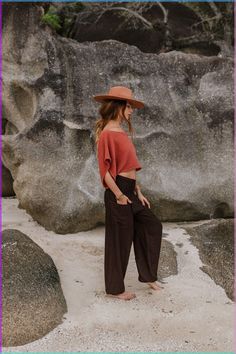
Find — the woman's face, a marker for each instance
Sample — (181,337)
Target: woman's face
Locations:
(128,111)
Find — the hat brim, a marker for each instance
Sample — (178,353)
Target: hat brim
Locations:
(102,98)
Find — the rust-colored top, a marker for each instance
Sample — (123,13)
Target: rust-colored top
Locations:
(116,153)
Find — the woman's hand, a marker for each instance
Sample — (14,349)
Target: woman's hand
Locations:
(123,200)
(143,199)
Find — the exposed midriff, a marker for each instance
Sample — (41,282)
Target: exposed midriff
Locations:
(129,174)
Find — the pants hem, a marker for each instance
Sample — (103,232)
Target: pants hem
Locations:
(115,293)
(147,281)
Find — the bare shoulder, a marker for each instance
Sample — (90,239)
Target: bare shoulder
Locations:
(113,130)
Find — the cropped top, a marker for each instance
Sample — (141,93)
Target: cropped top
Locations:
(115,153)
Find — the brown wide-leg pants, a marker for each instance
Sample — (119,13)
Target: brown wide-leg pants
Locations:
(125,224)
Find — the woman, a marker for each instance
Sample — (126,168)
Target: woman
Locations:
(128,217)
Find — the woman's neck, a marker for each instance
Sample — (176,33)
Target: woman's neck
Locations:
(111,125)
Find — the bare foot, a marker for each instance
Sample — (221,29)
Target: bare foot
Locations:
(123,296)
(155,286)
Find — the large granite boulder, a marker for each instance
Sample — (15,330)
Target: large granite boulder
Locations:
(215,242)
(153,27)
(32,299)
(134,24)
(184,135)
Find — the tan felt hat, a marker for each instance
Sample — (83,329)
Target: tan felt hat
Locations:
(119,93)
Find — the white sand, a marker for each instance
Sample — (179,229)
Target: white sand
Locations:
(191,313)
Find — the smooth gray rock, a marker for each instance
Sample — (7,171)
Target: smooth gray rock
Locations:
(215,242)
(184,135)
(32,299)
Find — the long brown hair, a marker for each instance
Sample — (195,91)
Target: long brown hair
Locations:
(108,111)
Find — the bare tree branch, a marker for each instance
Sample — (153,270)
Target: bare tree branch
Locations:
(183,41)
(206,20)
(215,10)
(165,12)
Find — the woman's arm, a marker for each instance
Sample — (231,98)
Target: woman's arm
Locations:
(137,188)
(112,185)
(141,196)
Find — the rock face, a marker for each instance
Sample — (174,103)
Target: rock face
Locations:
(126,24)
(215,242)
(168,261)
(7,182)
(151,27)
(32,298)
(184,134)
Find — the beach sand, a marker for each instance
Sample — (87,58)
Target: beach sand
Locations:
(191,313)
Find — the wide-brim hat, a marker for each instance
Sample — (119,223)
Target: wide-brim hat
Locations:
(119,93)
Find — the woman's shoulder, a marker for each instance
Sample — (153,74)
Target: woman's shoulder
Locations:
(112,136)
(106,136)
(113,132)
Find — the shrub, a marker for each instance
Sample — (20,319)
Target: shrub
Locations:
(52,20)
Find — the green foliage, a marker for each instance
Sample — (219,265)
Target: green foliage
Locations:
(62,19)
(52,19)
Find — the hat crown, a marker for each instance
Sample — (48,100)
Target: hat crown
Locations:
(120,91)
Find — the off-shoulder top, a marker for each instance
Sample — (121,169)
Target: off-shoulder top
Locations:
(115,153)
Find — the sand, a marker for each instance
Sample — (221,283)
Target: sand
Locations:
(191,313)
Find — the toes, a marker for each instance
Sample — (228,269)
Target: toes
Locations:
(155,286)
(125,296)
